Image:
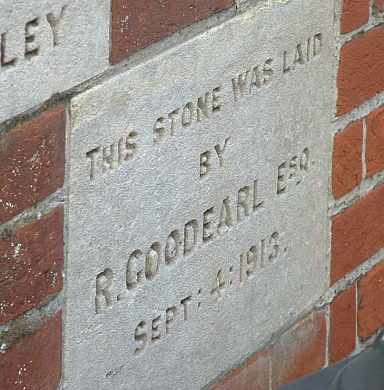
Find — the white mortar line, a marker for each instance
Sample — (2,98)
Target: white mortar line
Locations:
(363,150)
(36,212)
(357,340)
(350,279)
(340,123)
(365,187)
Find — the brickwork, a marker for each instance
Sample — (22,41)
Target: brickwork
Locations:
(371,302)
(343,324)
(295,353)
(347,161)
(379,4)
(33,156)
(137,24)
(35,362)
(360,77)
(355,14)
(375,142)
(32,258)
(357,220)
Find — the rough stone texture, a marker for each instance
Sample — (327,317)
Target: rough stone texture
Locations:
(371,302)
(355,13)
(31,261)
(375,142)
(254,374)
(138,23)
(357,233)
(35,362)
(300,351)
(46,51)
(347,168)
(360,72)
(32,166)
(136,200)
(343,325)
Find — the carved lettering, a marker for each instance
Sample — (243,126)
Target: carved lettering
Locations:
(55,23)
(225,219)
(4,59)
(110,157)
(31,46)
(245,83)
(205,163)
(104,298)
(141,336)
(259,256)
(293,170)
(206,158)
(172,247)
(220,150)
(152,261)
(264,253)
(208,230)
(183,117)
(303,53)
(30,35)
(149,332)
(190,236)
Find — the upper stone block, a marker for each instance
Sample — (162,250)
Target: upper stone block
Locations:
(48,47)
(138,23)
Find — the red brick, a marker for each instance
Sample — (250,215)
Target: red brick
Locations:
(361,74)
(35,362)
(300,351)
(354,15)
(254,374)
(357,234)
(371,305)
(32,167)
(31,265)
(375,142)
(347,162)
(138,23)
(379,4)
(343,325)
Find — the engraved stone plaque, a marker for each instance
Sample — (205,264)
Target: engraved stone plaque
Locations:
(197,217)
(48,47)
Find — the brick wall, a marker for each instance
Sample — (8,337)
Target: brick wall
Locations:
(31,251)
(352,311)
(32,200)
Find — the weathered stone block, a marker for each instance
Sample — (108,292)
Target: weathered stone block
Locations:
(198,187)
(48,47)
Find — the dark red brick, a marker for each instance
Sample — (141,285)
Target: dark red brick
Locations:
(31,265)
(32,167)
(361,74)
(347,161)
(300,351)
(343,325)
(254,374)
(35,362)
(379,4)
(357,234)
(138,23)
(375,142)
(371,302)
(355,14)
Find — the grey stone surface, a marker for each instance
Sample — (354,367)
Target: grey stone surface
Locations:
(48,47)
(148,304)
(243,5)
